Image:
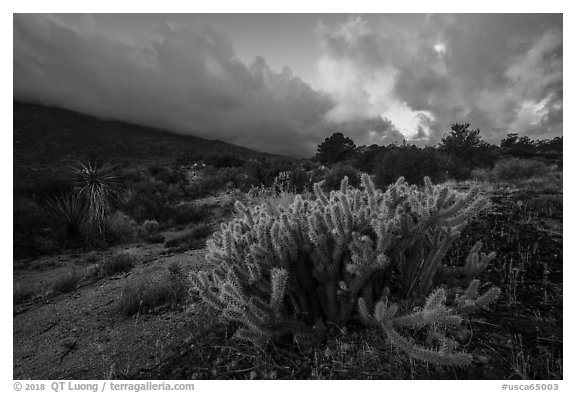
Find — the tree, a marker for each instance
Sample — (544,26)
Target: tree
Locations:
(460,139)
(510,140)
(467,149)
(410,162)
(518,146)
(335,148)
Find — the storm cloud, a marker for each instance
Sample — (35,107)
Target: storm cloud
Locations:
(379,80)
(501,73)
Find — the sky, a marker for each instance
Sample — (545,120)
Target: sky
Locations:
(282,83)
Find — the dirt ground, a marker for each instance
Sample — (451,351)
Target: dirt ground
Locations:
(81,335)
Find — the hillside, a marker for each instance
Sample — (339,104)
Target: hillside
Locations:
(46,138)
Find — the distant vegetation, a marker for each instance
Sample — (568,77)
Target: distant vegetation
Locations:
(459,153)
(61,202)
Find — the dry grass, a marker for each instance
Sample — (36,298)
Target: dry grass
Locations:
(24,292)
(67,282)
(144,296)
(122,262)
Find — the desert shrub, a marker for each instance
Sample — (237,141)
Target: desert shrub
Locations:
(122,262)
(467,150)
(170,176)
(149,200)
(299,180)
(353,255)
(151,226)
(512,169)
(263,172)
(47,186)
(215,180)
(149,206)
(120,228)
(125,199)
(481,174)
(224,161)
(144,296)
(192,240)
(67,282)
(131,176)
(335,175)
(149,232)
(412,163)
(186,213)
(33,233)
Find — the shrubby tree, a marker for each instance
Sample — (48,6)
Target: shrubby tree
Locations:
(335,148)
(367,156)
(410,162)
(460,139)
(467,149)
(334,176)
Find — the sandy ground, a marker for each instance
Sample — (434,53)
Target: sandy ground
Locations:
(81,335)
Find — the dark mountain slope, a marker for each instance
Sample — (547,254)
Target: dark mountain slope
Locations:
(47,138)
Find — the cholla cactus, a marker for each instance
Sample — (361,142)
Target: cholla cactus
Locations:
(342,255)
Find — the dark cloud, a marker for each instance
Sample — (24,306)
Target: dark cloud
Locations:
(382,79)
(187,79)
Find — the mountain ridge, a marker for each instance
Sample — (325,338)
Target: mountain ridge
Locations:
(46,138)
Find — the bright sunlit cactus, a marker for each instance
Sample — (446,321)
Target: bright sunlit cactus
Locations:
(352,254)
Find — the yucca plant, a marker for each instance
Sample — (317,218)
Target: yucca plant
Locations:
(97,186)
(69,210)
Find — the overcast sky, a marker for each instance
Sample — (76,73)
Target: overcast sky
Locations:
(283,83)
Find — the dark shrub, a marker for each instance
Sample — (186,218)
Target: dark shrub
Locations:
(171,176)
(517,169)
(366,157)
(224,161)
(120,228)
(48,186)
(186,213)
(467,150)
(215,180)
(299,180)
(32,229)
(334,177)
(410,162)
(336,148)
(264,171)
